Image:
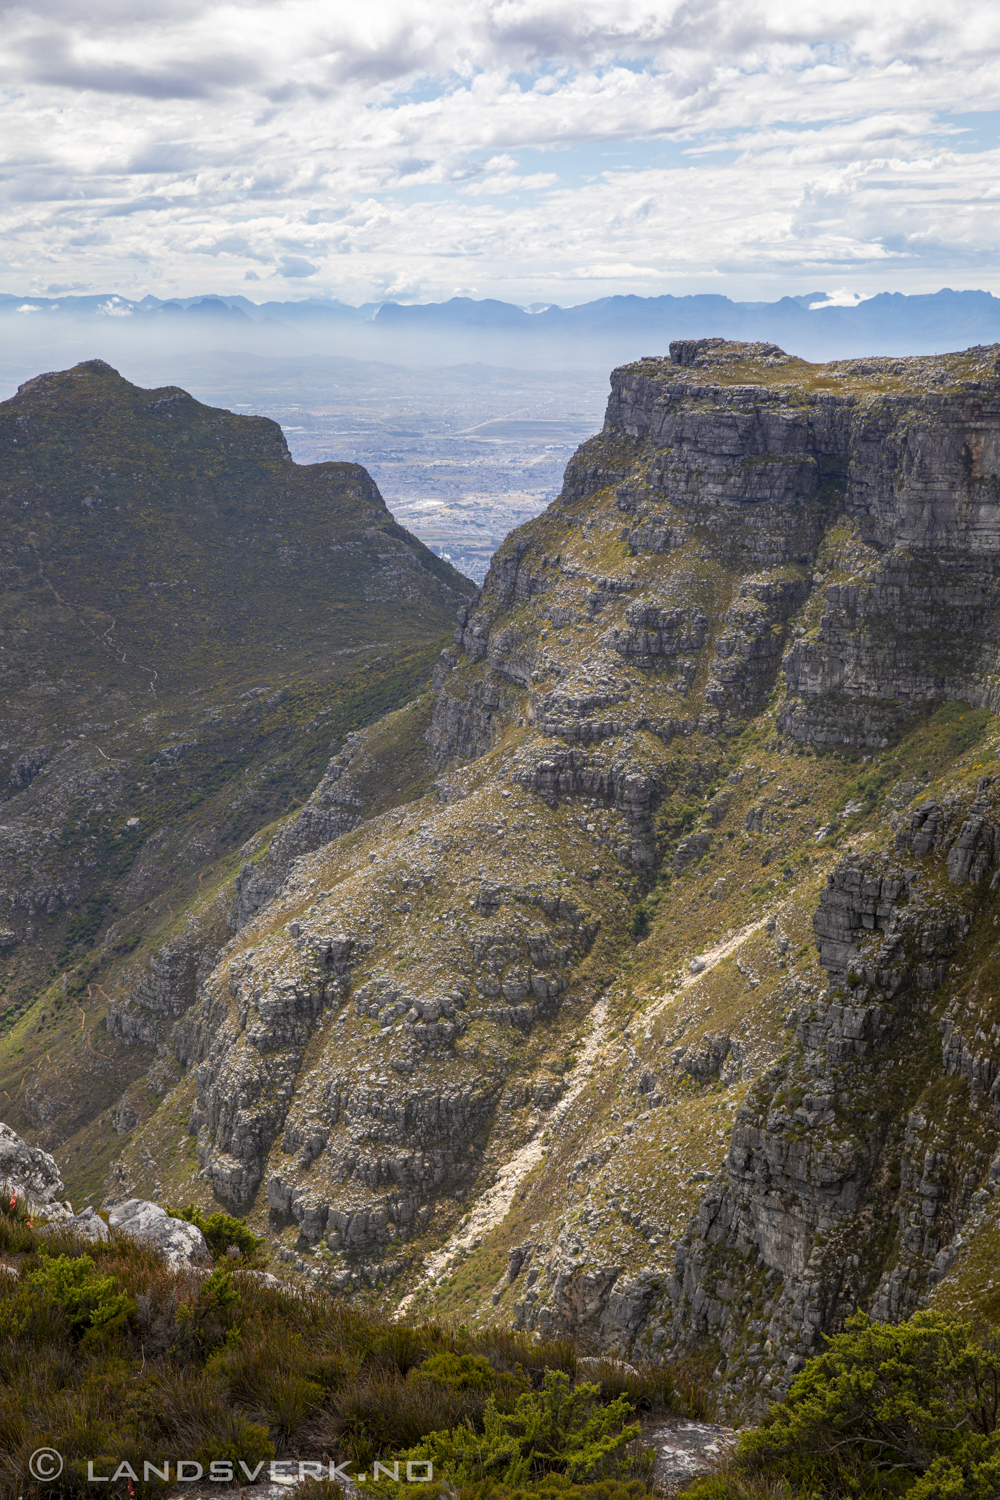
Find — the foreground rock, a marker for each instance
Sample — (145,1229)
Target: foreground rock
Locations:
(28,1172)
(180,1244)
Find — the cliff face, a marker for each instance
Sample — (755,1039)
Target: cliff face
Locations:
(904,456)
(674,978)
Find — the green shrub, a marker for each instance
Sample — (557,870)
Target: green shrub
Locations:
(389,1415)
(556,1487)
(400,1348)
(638,924)
(107,1353)
(906,1410)
(209,1317)
(509,1350)
(222,1233)
(90,1304)
(562,1428)
(461,1372)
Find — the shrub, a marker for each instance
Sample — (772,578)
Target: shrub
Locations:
(638,924)
(222,1233)
(906,1410)
(390,1415)
(460,1372)
(400,1348)
(109,1354)
(210,1316)
(89,1303)
(561,1428)
(508,1350)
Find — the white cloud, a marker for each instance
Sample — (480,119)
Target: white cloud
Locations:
(615,271)
(114,307)
(405,145)
(841,298)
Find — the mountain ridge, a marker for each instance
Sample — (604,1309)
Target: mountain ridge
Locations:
(185,617)
(704,843)
(913,322)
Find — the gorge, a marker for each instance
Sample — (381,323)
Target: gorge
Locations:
(629,971)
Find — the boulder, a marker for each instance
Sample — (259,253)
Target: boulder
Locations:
(32,1174)
(87,1225)
(181,1244)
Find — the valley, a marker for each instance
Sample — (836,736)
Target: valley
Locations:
(619,964)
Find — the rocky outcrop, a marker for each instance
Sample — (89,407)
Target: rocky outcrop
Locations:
(164,988)
(336,806)
(804,1217)
(179,1243)
(249,1054)
(30,1174)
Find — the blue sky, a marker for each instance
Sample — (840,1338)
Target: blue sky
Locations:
(533,150)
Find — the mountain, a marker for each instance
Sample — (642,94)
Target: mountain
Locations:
(616,327)
(652,999)
(190,622)
(903,324)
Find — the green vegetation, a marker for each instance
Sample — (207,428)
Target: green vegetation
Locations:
(562,1428)
(224,1234)
(907,1410)
(108,1356)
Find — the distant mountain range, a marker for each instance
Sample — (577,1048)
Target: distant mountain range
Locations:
(890,322)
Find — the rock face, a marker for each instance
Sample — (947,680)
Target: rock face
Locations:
(199,620)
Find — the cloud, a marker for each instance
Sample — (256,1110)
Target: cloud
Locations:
(616,271)
(843,298)
(295,266)
(754,142)
(114,307)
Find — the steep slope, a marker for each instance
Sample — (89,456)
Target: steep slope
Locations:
(189,621)
(652,982)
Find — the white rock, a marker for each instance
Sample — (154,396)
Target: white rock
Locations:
(32,1174)
(88,1225)
(181,1244)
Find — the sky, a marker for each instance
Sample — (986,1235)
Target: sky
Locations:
(530,150)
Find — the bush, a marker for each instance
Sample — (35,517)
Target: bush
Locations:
(638,924)
(222,1233)
(556,1487)
(561,1428)
(107,1351)
(460,1372)
(91,1305)
(905,1410)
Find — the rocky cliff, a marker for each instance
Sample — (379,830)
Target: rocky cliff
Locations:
(661,1011)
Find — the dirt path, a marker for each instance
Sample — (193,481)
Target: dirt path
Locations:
(492,1208)
(709,958)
